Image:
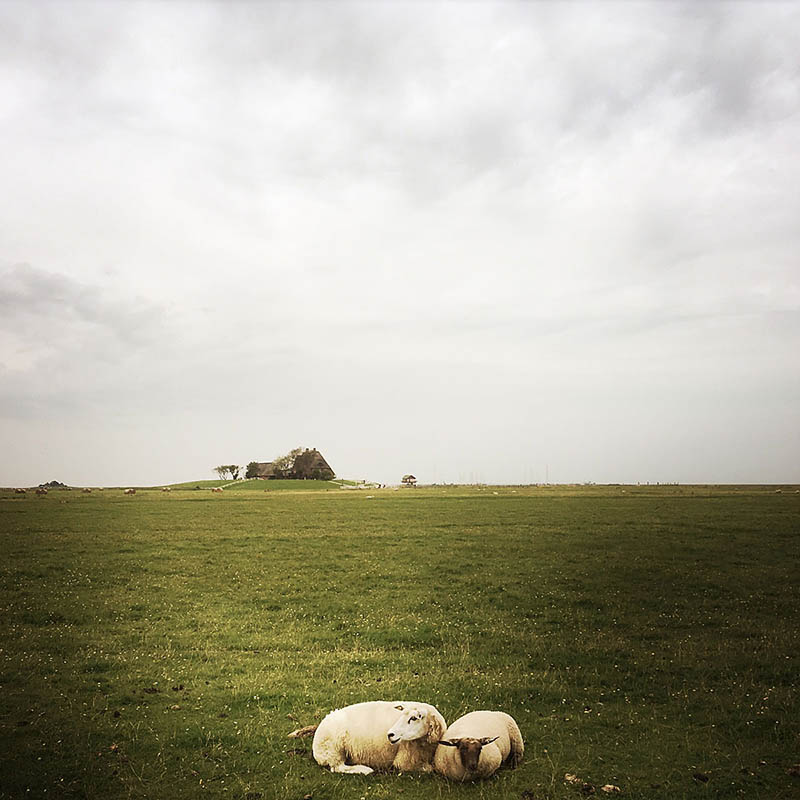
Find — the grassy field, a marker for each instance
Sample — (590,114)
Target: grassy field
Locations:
(162,645)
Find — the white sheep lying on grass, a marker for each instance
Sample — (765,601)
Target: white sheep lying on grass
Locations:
(475,746)
(377,735)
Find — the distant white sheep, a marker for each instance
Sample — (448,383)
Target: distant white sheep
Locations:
(475,746)
(130,491)
(217,489)
(377,735)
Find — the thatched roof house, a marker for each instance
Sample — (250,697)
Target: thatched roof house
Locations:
(311,465)
(308,465)
(264,469)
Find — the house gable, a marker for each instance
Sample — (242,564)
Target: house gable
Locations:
(310,465)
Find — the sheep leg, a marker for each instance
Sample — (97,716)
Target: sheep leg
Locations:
(353,769)
(327,754)
(309,730)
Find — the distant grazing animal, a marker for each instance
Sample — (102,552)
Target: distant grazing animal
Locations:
(217,489)
(166,489)
(41,490)
(20,491)
(377,735)
(476,744)
(130,491)
(86,490)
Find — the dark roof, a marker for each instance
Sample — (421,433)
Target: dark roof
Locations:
(310,463)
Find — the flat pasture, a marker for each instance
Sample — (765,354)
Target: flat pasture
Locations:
(162,645)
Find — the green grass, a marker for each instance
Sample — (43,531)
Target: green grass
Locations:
(162,645)
(282,486)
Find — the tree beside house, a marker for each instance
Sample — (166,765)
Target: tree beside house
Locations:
(228,469)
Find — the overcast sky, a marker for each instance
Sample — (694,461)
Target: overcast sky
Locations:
(498,242)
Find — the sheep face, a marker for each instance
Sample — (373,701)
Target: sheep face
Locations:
(412,724)
(469,750)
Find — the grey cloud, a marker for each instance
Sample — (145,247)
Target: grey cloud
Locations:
(70,348)
(428,101)
(736,55)
(40,304)
(65,343)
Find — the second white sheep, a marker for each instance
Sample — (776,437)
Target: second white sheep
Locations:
(475,746)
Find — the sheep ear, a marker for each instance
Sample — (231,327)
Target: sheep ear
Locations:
(447,743)
(435,727)
(487,740)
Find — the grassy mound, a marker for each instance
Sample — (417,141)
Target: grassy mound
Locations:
(254,485)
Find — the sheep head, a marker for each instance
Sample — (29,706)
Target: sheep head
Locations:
(413,723)
(469,750)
